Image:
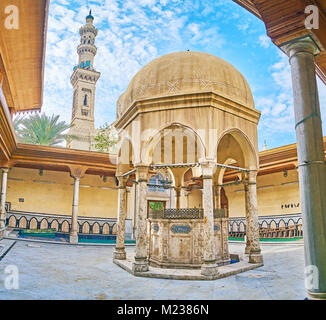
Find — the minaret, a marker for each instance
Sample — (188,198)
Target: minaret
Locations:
(83,80)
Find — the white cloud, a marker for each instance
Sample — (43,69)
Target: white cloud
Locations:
(264,41)
(131,34)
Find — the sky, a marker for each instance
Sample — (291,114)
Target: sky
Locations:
(131,33)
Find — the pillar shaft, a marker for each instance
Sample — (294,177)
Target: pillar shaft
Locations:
(218,197)
(252,225)
(177,196)
(74,217)
(3,213)
(312,171)
(141,252)
(209,267)
(120,252)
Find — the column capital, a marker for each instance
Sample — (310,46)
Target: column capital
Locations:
(250,177)
(141,173)
(77,172)
(208,168)
(4,170)
(122,181)
(300,45)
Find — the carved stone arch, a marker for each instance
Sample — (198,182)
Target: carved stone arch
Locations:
(55,224)
(281,223)
(44,224)
(273,224)
(250,154)
(12,222)
(33,223)
(153,140)
(242,227)
(96,228)
(65,226)
(291,222)
(125,154)
(22,223)
(86,227)
(114,229)
(106,229)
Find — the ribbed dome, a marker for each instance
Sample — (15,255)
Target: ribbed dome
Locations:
(186,72)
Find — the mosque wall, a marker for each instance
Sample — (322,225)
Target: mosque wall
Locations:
(276,195)
(52,193)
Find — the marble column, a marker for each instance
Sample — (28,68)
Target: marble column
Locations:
(177,196)
(186,194)
(218,197)
(252,225)
(120,252)
(312,171)
(209,267)
(141,253)
(3,213)
(73,237)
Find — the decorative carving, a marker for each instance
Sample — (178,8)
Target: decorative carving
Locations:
(180,228)
(184,213)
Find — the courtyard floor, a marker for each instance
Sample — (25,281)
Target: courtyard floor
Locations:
(56,271)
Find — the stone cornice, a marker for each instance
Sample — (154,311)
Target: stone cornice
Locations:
(81,74)
(59,159)
(184,101)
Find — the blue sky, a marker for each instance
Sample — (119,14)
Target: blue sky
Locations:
(132,33)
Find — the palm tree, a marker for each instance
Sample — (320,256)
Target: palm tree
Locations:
(41,130)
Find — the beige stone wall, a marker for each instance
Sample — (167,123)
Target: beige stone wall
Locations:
(52,193)
(273,191)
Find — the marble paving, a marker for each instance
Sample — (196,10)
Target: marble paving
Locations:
(54,271)
(187,274)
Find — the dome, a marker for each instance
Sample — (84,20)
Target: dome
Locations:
(184,73)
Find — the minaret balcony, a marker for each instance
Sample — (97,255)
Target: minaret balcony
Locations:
(82,48)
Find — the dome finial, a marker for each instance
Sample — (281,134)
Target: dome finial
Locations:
(90,15)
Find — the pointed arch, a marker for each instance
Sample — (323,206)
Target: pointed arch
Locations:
(160,136)
(249,154)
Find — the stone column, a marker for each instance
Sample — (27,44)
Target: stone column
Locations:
(177,196)
(218,197)
(141,255)
(120,252)
(135,211)
(186,193)
(252,225)
(73,238)
(209,267)
(312,171)
(3,213)
(76,172)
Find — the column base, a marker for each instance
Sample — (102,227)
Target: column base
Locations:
(119,254)
(256,258)
(140,265)
(316,295)
(73,238)
(209,270)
